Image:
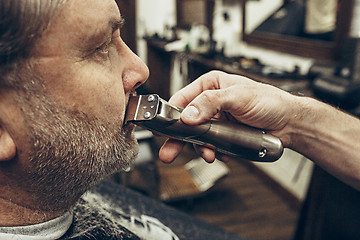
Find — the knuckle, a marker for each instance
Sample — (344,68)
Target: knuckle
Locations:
(215,74)
(210,95)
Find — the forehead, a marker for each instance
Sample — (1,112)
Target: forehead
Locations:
(77,20)
(89,12)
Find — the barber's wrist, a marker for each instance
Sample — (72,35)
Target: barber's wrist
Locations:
(302,123)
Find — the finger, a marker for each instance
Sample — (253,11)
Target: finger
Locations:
(205,106)
(222,157)
(210,155)
(209,81)
(211,94)
(206,153)
(170,150)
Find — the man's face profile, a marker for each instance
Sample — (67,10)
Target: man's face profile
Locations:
(73,107)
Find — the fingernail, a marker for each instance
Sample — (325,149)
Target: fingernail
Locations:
(190,112)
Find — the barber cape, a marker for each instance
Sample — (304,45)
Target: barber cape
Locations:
(96,217)
(112,211)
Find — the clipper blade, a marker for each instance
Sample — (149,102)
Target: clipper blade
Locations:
(142,108)
(131,108)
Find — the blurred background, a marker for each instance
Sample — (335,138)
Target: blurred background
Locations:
(306,47)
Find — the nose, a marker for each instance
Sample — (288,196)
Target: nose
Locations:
(135,72)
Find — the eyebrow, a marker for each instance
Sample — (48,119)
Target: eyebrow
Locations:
(117,23)
(94,39)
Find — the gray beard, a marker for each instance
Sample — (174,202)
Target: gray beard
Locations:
(71,152)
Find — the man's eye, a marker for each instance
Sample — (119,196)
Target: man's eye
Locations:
(103,49)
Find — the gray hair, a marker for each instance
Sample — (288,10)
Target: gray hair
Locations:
(21,23)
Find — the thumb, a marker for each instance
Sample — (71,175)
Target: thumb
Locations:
(203,107)
(190,115)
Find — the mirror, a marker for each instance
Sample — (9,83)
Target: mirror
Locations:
(298,26)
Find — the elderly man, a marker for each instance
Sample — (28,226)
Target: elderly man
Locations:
(64,90)
(66,76)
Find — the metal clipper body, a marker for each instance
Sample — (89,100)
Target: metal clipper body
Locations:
(233,139)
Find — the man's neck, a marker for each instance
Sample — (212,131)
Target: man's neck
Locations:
(12,214)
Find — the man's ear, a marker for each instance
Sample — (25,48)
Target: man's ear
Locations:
(7,145)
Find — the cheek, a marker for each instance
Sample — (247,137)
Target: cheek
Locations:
(87,87)
(111,101)
(101,91)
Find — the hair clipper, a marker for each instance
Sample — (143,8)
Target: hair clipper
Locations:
(233,139)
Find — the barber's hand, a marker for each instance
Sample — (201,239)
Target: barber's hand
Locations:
(220,95)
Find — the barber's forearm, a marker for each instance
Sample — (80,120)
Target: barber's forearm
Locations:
(329,137)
